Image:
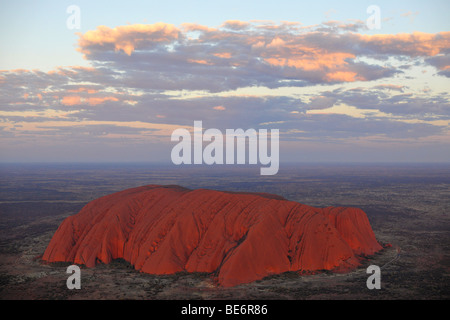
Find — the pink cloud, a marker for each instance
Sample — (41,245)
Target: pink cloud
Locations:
(235,24)
(223,55)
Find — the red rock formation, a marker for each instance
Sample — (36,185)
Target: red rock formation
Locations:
(239,237)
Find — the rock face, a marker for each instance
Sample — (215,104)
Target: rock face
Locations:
(238,237)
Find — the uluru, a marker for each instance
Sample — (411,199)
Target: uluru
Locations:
(237,237)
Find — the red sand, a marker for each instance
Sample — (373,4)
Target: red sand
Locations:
(240,237)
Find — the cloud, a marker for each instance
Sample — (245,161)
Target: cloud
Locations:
(405,103)
(412,15)
(390,87)
(235,25)
(321,102)
(71,100)
(332,127)
(242,54)
(354,26)
(408,44)
(127,38)
(441,62)
(153,78)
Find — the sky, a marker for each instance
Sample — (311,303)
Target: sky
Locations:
(342,81)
